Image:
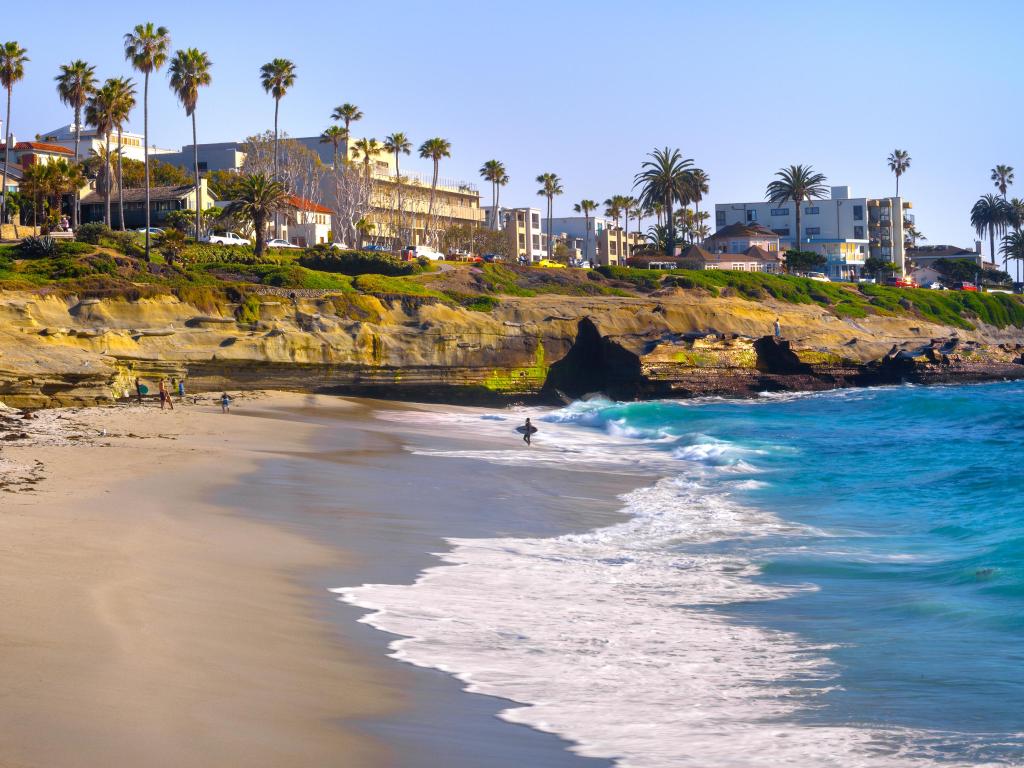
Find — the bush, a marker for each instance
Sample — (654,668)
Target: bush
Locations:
(38,247)
(354,263)
(93,232)
(249,309)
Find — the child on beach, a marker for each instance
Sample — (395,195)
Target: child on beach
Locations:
(165,396)
(225,403)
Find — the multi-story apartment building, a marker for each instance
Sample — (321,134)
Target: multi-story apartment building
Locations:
(845,230)
(132,144)
(604,243)
(523,228)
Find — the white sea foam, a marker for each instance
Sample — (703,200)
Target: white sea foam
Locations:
(612,639)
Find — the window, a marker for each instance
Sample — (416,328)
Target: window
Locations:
(780,211)
(614,248)
(858,232)
(858,213)
(535,220)
(522,242)
(536,242)
(812,231)
(782,232)
(751,215)
(203,166)
(719,218)
(811,210)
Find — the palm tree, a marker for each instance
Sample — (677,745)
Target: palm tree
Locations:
(899,163)
(494,172)
(398,144)
(797,183)
(1013,248)
(190,71)
(63,177)
(277,77)
(100,113)
(699,186)
(613,207)
(550,185)
(434,149)
(257,199)
(367,148)
(334,135)
(665,179)
(586,207)
(1016,216)
(12,69)
(991,214)
(1002,176)
(75,84)
(347,114)
(637,212)
(628,204)
(33,186)
(123,104)
(146,48)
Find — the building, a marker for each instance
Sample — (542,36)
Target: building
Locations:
(523,228)
(163,200)
(26,153)
(843,229)
(739,238)
(307,223)
(605,242)
(754,258)
(221,156)
(132,144)
(921,260)
(15,174)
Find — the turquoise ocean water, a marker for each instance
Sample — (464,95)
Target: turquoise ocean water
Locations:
(820,579)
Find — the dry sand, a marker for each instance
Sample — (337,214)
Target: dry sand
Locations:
(142,625)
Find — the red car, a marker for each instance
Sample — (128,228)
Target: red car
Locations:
(965,286)
(901,282)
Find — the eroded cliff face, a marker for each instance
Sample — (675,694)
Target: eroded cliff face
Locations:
(66,350)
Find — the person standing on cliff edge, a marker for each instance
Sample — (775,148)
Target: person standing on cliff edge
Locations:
(777,328)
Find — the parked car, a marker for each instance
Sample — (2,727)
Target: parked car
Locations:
(413,252)
(277,242)
(867,280)
(965,285)
(936,286)
(490,258)
(372,248)
(152,230)
(226,238)
(821,277)
(550,264)
(900,282)
(340,247)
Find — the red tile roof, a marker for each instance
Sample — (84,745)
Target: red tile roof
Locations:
(39,146)
(308,206)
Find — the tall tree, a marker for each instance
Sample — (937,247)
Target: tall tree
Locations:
(122,105)
(990,214)
(435,150)
(1016,216)
(398,144)
(666,179)
(797,183)
(257,199)
(494,172)
(146,48)
(75,84)
(335,136)
(550,185)
(1012,247)
(367,148)
(190,71)
(699,186)
(1002,177)
(12,69)
(277,77)
(100,112)
(899,163)
(628,204)
(586,207)
(347,114)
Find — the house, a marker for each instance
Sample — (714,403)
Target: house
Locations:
(15,175)
(753,259)
(740,238)
(26,153)
(163,200)
(921,260)
(92,142)
(307,223)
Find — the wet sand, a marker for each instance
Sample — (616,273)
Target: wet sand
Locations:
(165,594)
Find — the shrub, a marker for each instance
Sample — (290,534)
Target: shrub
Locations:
(249,309)
(38,247)
(355,263)
(93,232)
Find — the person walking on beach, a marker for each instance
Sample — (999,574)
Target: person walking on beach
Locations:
(777,328)
(138,389)
(527,431)
(225,403)
(165,396)
(181,390)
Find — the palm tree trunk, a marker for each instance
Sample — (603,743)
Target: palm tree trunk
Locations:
(670,240)
(120,178)
(401,211)
(797,246)
(199,189)
(106,183)
(277,162)
(497,202)
(433,191)
(76,211)
(992,242)
(145,131)
(551,237)
(625,220)
(586,235)
(7,159)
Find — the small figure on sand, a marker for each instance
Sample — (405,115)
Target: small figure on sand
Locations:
(777,328)
(165,396)
(527,431)
(138,389)
(181,390)
(225,403)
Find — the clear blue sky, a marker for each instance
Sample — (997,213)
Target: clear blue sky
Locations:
(585,89)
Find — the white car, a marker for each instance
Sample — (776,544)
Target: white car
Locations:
(423,252)
(152,231)
(821,277)
(340,247)
(226,238)
(277,242)
(937,286)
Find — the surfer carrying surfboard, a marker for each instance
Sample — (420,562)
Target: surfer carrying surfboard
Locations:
(528,430)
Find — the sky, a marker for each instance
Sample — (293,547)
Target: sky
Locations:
(586,89)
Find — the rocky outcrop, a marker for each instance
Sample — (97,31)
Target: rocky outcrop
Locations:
(66,351)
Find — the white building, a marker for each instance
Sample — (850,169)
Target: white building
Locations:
(131,143)
(845,230)
(523,227)
(605,242)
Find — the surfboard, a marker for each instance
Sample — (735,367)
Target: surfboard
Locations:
(143,389)
(522,430)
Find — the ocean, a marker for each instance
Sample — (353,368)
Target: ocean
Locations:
(828,579)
